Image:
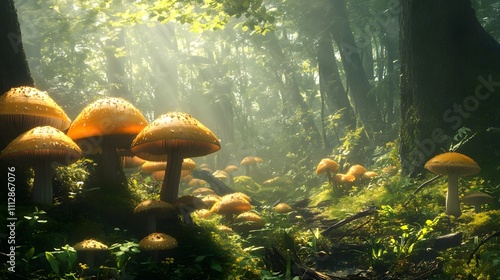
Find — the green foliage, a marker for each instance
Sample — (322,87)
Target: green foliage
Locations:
(62,261)
(124,253)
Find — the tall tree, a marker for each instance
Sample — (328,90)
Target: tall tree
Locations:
(357,80)
(14,69)
(450,78)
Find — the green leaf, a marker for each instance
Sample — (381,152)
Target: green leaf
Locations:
(29,254)
(54,264)
(199,258)
(216,266)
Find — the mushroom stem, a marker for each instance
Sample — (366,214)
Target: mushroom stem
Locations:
(89,259)
(170,186)
(42,183)
(477,208)
(452,201)
(151,224)
(114,177)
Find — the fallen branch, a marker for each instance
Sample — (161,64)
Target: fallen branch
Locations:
(358,215)
(494,234)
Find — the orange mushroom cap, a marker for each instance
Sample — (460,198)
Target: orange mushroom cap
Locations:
(175,131)
(110,116)
(452,162)
(356,170)
(231,204)
(43,143)
(23,108)
(282,208)
(152,166)
(325,165)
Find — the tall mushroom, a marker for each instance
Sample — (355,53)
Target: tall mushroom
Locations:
(111,123)
(452,164)
(177,135)
(23,108)
(40,147)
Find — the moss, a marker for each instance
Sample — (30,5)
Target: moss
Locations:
(246,185)
(482,223)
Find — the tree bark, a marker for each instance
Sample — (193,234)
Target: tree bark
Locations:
(450,78)
(14,69)
(357,81)
(330,83)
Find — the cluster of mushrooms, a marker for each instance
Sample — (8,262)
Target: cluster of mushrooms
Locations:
(352,176)
(34,126)
(454,165)
(111,126)
(450,164)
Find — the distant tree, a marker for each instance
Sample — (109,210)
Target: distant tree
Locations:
(450,78)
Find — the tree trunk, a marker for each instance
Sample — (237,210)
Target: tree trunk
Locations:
(293,98)
(116,67)
(332,90)
(450,77)
(14,69)
(364,104)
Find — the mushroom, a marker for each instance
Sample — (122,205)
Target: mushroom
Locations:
(248,221)
(356,170)
(201,191)
(477,199)
(177,135)
(131,162)
(111,123)
(452,164)
(221,175)
(211,199)
(187,204)
(327,166)
(156,168)
(89,247)
(23,108)
(40,147)
(188,165)
(156,242)
(230,170)
(368,175)
(250,161)
(283,208)
(231,204)
(153,210)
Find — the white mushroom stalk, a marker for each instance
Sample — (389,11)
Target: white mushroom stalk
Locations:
(452,200)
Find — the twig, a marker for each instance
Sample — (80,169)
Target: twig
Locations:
(494,234)
(421,187)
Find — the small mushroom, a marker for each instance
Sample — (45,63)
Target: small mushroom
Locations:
(452,164)
(153,210)
(248,221)
(328,167)
(477,199)
(156,242)
(89,247)
(356,170)
(283,208)
(231,204)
